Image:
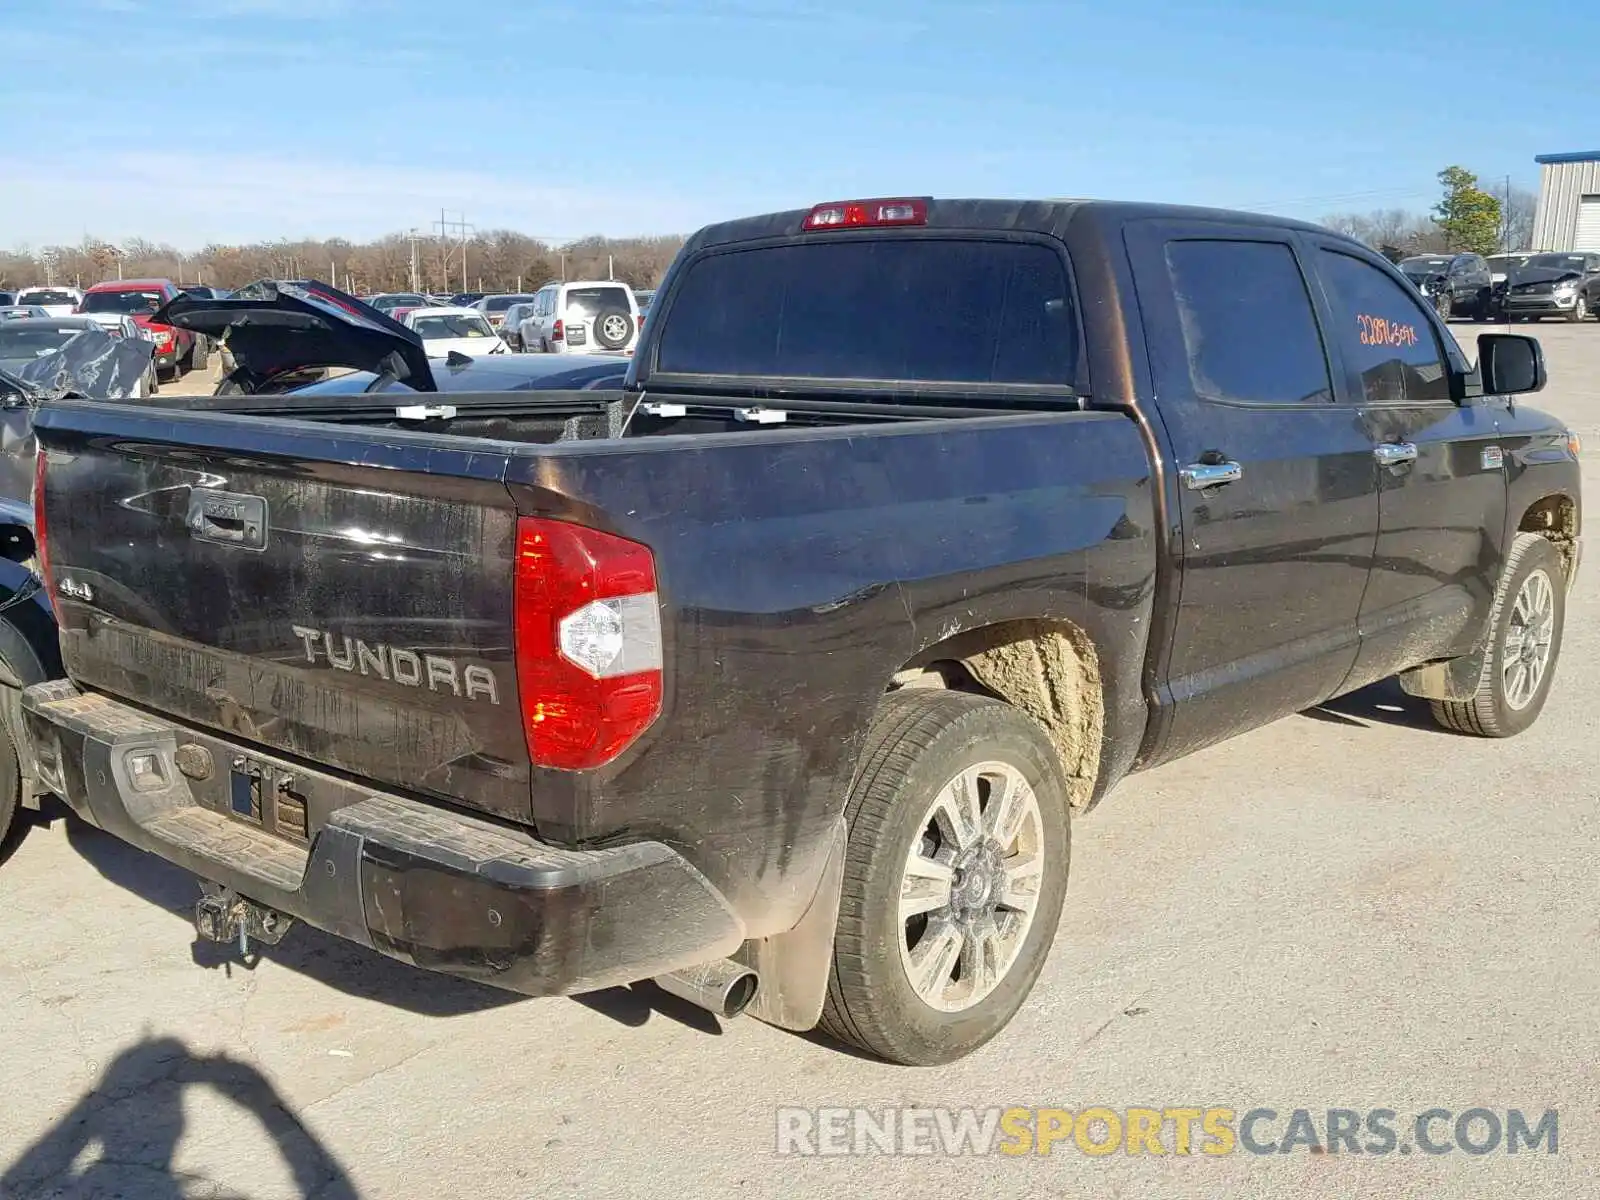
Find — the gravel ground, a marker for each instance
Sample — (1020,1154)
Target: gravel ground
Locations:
(1348,909)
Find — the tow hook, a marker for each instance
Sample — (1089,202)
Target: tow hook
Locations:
(222,915)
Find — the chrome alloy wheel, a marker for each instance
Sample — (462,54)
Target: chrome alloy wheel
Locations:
(1529,638)
(970,886)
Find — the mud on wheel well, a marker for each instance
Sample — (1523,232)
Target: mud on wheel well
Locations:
(1048,669)
(1556,519)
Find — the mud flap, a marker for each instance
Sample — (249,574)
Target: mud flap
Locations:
(1453,679)
(793,967)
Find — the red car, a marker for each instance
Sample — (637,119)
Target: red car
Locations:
(177,350)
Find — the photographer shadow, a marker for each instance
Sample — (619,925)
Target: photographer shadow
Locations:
(134,1115)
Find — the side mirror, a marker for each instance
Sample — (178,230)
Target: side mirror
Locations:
(1510,364)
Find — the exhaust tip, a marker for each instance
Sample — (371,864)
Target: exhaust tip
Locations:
(724,988)
(739,995)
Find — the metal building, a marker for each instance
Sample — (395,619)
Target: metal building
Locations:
(1568,217)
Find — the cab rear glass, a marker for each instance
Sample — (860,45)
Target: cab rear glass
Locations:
(876,309)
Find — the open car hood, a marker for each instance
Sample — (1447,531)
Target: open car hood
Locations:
(1544,275)
(294,327)
(92,365)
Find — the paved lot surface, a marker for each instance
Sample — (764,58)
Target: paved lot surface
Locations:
(1346,909)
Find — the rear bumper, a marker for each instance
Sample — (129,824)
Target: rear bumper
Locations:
(417,882)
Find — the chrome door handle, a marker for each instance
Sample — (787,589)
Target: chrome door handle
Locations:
(1394,454)
(1199,476)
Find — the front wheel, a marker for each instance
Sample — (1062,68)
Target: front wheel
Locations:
(1442,305)
(1579,310)
(1525,627)
(955,873)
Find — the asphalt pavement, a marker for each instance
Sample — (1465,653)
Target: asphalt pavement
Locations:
(1348,910)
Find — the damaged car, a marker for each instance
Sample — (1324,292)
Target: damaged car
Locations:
(1554,285)
(41,360)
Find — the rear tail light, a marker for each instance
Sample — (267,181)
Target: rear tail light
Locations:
(588,642)
(39,528)
(559,332)
(866,214)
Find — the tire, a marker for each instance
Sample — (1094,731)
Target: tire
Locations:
(1579,311)
(1500,707)
(186,359)
(612,327)
(1443,305)
(22,661)
(920,743)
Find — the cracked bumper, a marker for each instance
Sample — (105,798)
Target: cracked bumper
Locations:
(420,883)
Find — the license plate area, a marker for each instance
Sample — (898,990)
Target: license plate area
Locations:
(269,797)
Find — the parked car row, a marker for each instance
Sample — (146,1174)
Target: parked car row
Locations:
(124,308)
(1508,287)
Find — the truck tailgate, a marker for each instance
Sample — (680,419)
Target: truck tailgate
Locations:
(301,587)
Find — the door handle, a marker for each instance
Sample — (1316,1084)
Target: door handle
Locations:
(1199,476)
(1394,454)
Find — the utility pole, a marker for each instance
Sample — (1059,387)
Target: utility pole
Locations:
(611,267)
(416,283)
(461,229)
(1505,213)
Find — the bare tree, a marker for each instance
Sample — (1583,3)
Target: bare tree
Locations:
(498,257)
(1517,214)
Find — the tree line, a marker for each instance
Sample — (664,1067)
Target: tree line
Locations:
(1467,217)
(499,260)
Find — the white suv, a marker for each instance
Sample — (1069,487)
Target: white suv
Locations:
(586,317)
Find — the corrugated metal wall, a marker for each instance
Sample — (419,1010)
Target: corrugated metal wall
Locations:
(1561,187)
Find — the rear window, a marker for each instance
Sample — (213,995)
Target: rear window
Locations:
(585,303)
(47,296)
(18,342)
(876,309)
(136,303)
(451,326)
(501,303)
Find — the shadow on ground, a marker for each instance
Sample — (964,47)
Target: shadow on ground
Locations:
(344,966)
(1383,703)
(134,1118)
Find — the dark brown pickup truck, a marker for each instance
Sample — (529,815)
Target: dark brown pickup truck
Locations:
(777,673)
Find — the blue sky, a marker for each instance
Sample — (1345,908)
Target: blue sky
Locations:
(190,121)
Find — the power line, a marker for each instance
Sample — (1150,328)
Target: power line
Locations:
(462,230)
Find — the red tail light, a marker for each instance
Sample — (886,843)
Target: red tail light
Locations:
(39,530)
(559,332)
(866,214)
(588,642)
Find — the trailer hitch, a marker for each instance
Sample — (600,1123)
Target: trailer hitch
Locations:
(222,915)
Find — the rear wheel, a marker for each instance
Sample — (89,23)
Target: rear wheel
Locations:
(1526,623)
(21,662)
(955,873)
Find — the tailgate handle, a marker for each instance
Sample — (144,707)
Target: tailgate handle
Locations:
(228,518)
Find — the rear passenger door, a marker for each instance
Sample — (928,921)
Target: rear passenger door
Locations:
(1274,555)
(1442,488)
